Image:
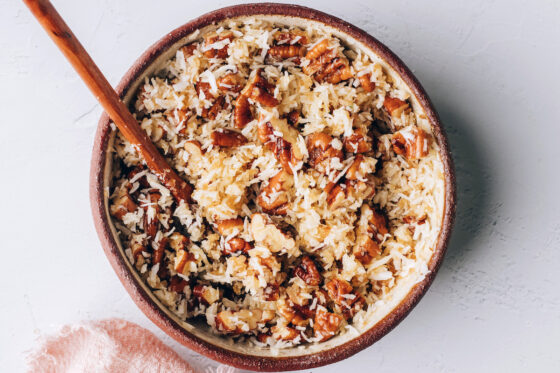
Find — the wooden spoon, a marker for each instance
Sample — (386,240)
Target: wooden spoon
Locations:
(57,29)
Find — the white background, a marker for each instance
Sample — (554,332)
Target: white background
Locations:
(491,68)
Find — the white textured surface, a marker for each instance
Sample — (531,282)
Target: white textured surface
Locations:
(491,68)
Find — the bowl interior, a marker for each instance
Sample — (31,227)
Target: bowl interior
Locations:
(383,319)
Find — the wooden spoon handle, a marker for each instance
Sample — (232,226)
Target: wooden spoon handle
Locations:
(57,29)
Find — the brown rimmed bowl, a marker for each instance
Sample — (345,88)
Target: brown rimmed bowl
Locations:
(198,338)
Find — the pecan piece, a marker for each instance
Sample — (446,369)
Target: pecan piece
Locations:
(236,244)
(188,50)
(284,333)
(242,112)
(357,142)
(123,205)
(338,289)
(321,150)
(159,250)
(378,223)
(243,321)
(230,83)
(293,117)
(326,324)
(215,45)
(206,294)
(272,198)
(284,147)
(366,249)
(307,271)
(367,84)
(412,143)
(151,220)
(292,37)
(394,106)
(181,259)
(177,284)
(177,241)
(271,292)
(327,64)
(260,90)
(342,293)
(227,138)
(229,226)
(317,50)
(282,52)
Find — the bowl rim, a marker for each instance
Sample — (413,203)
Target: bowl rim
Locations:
(139,294)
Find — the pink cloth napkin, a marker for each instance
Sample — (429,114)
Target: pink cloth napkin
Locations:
(112,345)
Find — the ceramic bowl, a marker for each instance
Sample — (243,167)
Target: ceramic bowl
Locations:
(199,338)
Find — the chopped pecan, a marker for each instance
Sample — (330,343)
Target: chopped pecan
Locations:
(317,50)
(213,46)
(334,71)
(243,321)
(367,84)
(142,180)
(339,192)
(204,90)
(229,226)
(395,106)
(415,220)
(181,260)
(307,271)
(352,306)
(284,333)
(230,82)
(264,337)
(260,90)
(287,309)
(412,143)
(327,64)
(179,117)
(293,117)
(272,198)
(282,52)
(321,150)
(366,249)
(358,142)
(123,205)
(137,249)
(177,284)
(326,324)
(338,289)
(355,172)
(378,223)
(177,241)
(159,250)
(151,220)
(285,146)
(206,294)
(242,112)
(236,244)
(188,50)
(216,107)
(271,292)
(342,293)
(291,37)
(227,138)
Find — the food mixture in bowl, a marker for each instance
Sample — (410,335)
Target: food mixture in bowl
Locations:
(317,186)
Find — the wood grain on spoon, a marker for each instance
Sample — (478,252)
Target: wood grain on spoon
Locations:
(57,29)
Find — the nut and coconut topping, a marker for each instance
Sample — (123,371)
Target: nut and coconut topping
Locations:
(306,213)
